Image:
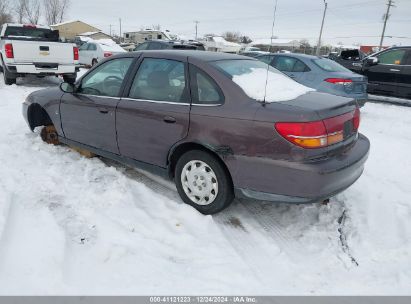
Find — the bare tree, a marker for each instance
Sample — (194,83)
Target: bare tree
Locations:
(232,36)
(5,15)
(55,10)
(33,8)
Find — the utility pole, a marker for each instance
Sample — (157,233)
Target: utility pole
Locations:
(196,22)
(121,38)
(321,31)
(386,16)
(110,29)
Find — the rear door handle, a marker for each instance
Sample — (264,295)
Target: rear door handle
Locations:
(169,119)
(395,70)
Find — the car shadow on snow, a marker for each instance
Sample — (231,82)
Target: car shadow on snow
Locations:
(40,82)
(295,229)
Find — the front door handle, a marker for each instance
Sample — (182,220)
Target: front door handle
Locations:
(169,119)
(103,110)
(395,70)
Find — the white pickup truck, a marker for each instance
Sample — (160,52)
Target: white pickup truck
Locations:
(35,49)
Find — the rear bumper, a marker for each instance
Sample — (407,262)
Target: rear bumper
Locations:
(30,68)
(312,182)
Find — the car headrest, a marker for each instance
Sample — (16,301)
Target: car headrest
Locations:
(158,79)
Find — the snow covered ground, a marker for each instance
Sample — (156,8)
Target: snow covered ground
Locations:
(71,225)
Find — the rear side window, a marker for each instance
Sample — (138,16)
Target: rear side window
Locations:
(284,64)
(392,57)
(300,66)
(142,47)
(329,65)
(265,58)
(204,89)
(84,47)
(160,80)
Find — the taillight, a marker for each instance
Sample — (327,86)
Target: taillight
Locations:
(108,54)
(341,81)
(9,50)
(356,119)
(75,53)
(321,133)
(304,134)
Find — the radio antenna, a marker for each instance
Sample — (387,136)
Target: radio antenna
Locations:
(269,48)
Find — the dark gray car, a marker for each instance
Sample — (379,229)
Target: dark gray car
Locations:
(209,122)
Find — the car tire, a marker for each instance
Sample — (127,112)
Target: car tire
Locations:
(94,62)
(8,78)
(207,186)
(70,78)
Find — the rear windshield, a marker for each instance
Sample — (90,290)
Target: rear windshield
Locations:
(240,67)
(184,47)
(261,81)
(31,33)
(329,65)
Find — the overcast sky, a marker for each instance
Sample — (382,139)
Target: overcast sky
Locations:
(347,21)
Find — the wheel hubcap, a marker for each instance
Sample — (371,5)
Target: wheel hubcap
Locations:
(199,182)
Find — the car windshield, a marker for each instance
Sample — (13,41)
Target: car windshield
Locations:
(329,65)
(31,33)
(261,81)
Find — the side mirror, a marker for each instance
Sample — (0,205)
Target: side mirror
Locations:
(372,60)
(67,87)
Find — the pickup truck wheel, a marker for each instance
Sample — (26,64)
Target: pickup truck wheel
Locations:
(203,182)
(8,79)
(49,135)
(70,78)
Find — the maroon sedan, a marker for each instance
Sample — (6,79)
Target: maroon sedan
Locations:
(222,126)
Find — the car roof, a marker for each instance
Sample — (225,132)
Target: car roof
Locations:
(298,55)
(199,55)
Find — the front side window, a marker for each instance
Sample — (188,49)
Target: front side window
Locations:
(160,80)
(107,79)
(204,89)
(392,57)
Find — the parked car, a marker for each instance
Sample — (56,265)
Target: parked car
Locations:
(219,44)
(36,50)
(93,52)
(349,58)
(321,74)
(164,45)
(203,119)
(251,51)
(389,72)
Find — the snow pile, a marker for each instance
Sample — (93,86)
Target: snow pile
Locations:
(279,87)
(71,225)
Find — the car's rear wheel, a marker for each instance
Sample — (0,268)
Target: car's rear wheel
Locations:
(203,182)
(9,79)
(70,78)
(94,62)
(49,135)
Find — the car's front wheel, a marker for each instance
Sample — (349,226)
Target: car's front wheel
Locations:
(202,182)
